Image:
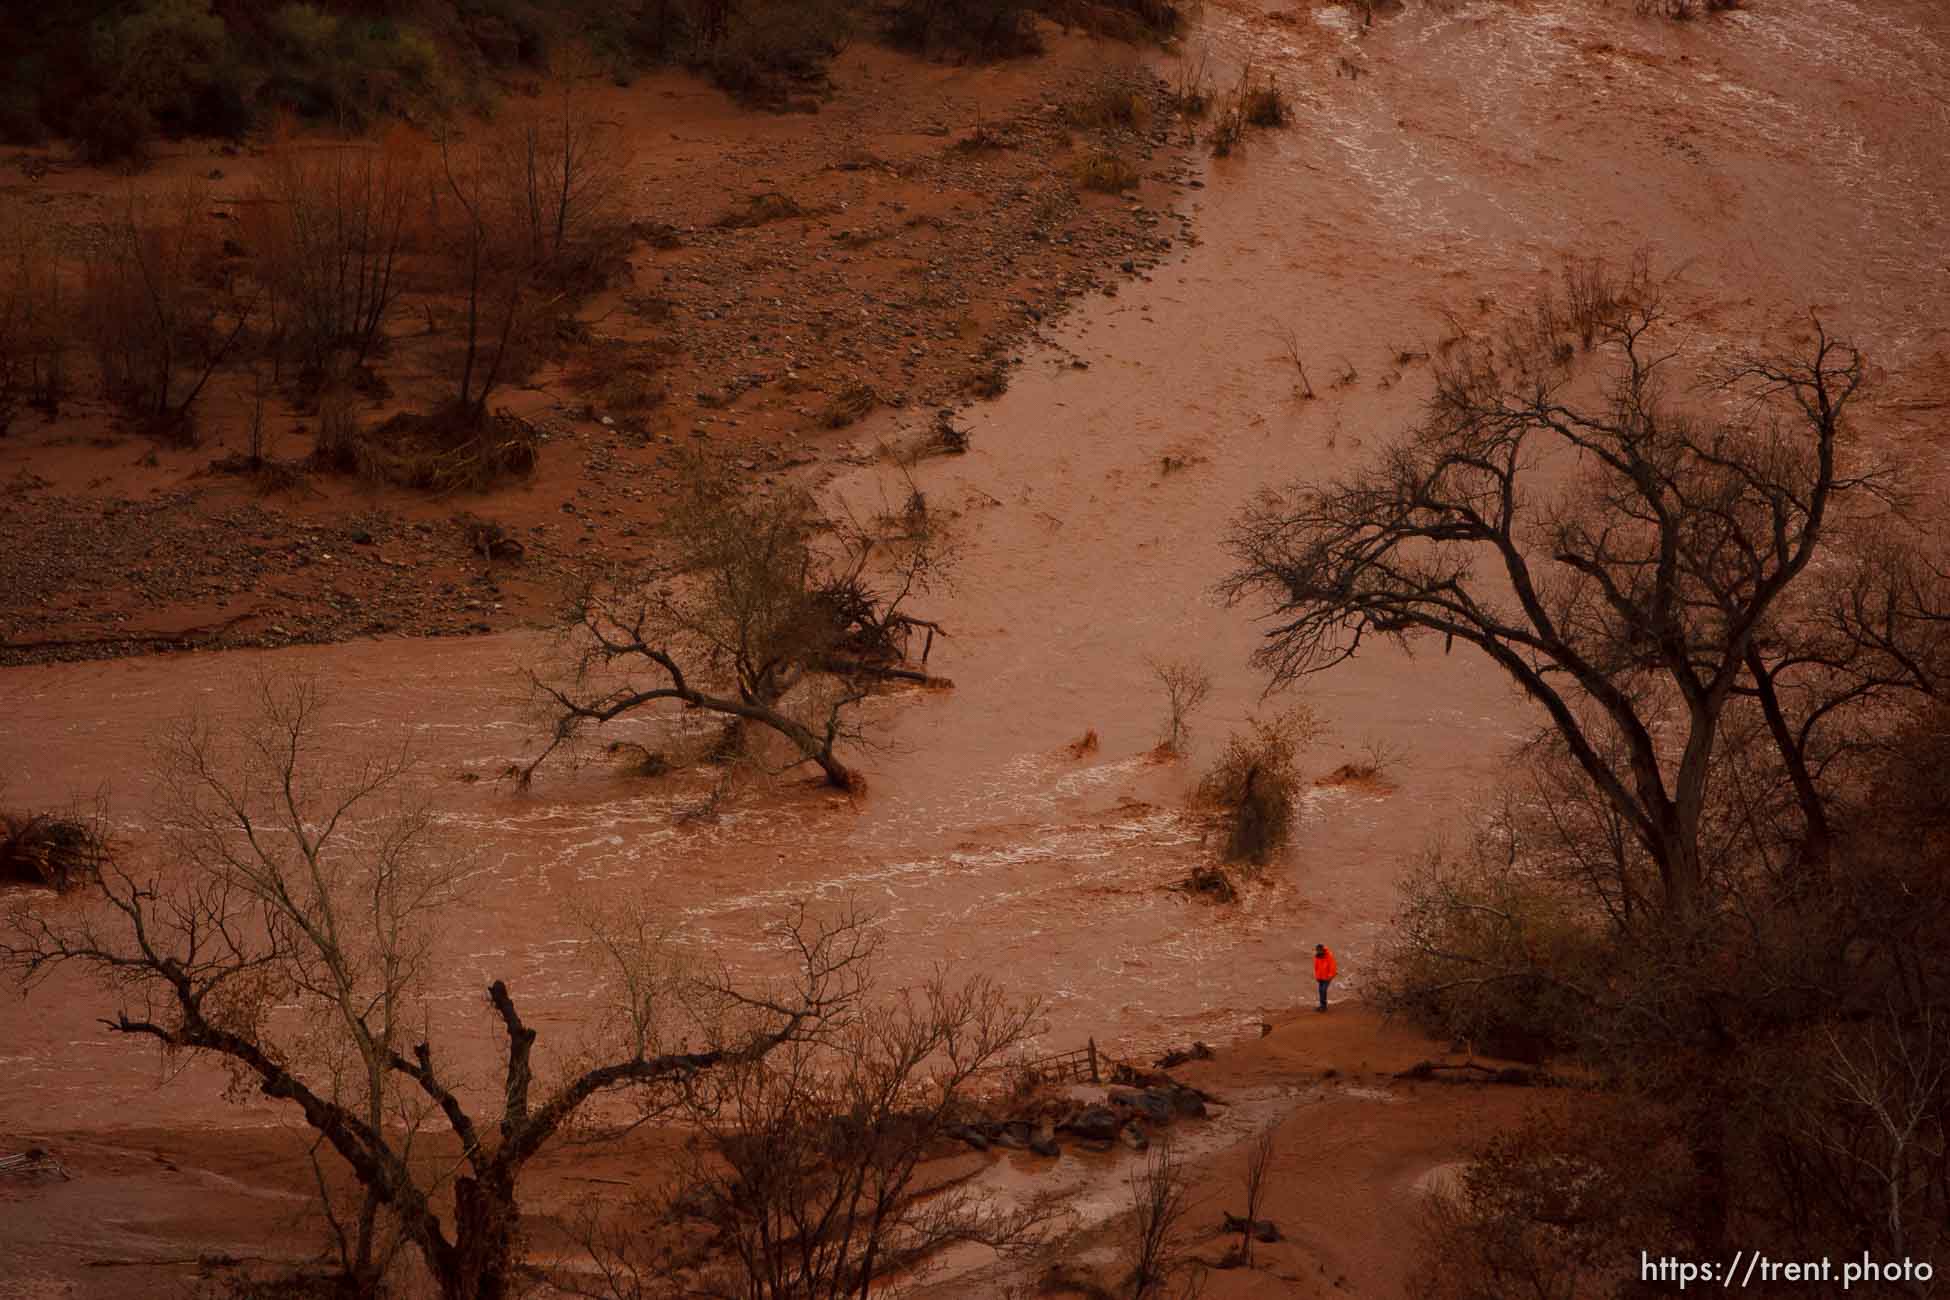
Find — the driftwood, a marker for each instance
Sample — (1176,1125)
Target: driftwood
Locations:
(1517,1076)
(33,1163)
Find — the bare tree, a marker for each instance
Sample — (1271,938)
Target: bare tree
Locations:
(159,331)
(1155,1243)
(470,217)
(808,1160)
(1186,685)
(768,612)
(563,175)
(1895,1077)
(1660,565)
(1259,1163)
(1290,346)
(278,890)
(328,233)
(32,325)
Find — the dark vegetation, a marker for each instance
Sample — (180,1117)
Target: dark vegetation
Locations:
(1722,868)
(54,850)
(1254,786)
(493,235)
(115,75)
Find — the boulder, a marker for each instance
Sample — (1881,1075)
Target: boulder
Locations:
(1152,1103)
(1260,1229)
(972,1136)
(1094,1124)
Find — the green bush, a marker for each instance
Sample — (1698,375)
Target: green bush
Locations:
(168,66)
(112,128)
(351,70)
(1484,953)
(773,46)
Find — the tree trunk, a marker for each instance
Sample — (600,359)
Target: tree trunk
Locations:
(483,1260)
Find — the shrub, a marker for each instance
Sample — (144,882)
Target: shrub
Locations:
(1125,20)
(775,46)
(1105,171)
(1489,955)
(451,450)
(987,29)
(1265,105)
(1116,100)
(1255,783)
(166,66)
(1556,1201)
(351,70)
(848,405)
(57,852)
(113,128)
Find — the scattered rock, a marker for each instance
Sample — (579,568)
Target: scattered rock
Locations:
(1093,1124)
(1260,1229)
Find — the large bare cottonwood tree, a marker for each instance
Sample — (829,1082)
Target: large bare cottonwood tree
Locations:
(1625,561)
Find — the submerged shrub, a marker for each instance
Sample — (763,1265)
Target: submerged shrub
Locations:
(1255,784)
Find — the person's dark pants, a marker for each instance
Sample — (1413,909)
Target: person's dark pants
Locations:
(1323,992)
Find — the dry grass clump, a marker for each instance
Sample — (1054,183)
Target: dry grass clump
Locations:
(1105,171)
(54,851)
(759,210)
(848,405)
(451,450)
(1250,105)
(632,390)
(1266,105)
(1114,101)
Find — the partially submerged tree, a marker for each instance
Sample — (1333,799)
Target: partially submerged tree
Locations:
(1186,685)
(764,610)
(1631,603)
(1255,784)
(279,891)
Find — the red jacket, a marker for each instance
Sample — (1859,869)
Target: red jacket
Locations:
(1324,965)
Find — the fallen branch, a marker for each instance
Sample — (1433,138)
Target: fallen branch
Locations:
(1516,1076)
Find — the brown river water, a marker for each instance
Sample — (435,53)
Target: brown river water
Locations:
(1782,158)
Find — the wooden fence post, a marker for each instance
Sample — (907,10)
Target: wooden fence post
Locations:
(1093,1062)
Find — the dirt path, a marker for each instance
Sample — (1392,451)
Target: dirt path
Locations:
(1471,148)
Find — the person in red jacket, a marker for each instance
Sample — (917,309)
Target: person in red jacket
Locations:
(1324,970)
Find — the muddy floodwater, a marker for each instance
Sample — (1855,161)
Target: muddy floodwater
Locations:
(1780,159)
